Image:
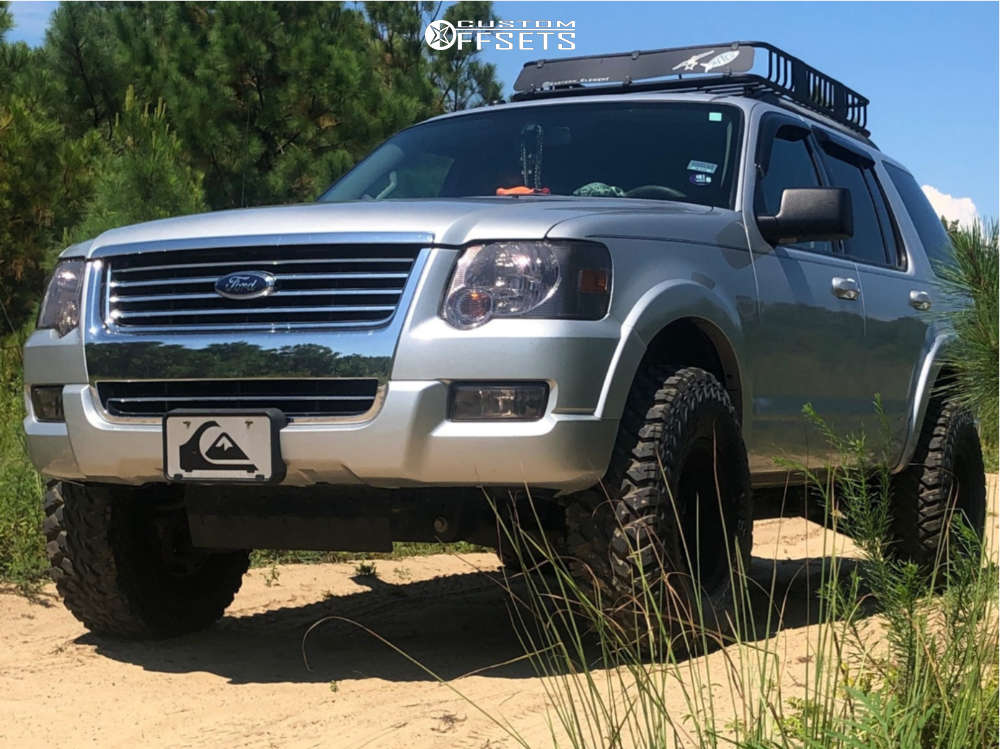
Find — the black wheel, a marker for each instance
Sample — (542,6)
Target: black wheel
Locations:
(945,481)
(519,531)
(671,526)
(124,565)
(508,557)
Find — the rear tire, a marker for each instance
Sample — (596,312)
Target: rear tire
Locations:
(678,489)
(944,480)
(124,566)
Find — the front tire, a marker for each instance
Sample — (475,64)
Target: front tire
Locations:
(673,531)
(124,566)
(945,481)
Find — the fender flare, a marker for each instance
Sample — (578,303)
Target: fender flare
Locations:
(923,389)
(660,306)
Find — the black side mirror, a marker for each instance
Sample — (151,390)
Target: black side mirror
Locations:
(809,214)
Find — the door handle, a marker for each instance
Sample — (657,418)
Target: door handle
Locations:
(920,300)
(846,288)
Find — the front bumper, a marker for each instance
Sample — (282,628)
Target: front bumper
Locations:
(408,443)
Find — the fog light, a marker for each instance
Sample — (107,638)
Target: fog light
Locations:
(46,402)
(486,401)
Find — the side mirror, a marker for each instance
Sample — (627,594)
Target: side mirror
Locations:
(809,214)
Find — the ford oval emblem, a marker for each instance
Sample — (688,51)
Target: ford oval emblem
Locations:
(246,284)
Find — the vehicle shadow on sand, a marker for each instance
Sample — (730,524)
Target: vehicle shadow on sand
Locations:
(453,625)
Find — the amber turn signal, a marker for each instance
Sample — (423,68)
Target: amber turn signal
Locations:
(594,281)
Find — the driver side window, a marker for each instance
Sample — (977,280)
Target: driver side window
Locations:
(419,176)
(790,165)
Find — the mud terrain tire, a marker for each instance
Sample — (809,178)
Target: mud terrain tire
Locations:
(678,488)
(124,566)
(945,478)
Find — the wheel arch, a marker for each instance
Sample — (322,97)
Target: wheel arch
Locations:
(933,374)
(705,346)
(683,323)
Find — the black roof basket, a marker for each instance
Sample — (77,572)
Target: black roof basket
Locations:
(719,68)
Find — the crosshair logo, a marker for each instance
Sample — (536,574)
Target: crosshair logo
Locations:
(440,35)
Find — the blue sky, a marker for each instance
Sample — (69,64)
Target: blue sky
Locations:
(930,69)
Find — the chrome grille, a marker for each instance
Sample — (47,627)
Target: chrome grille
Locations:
(315,286)
(299,397)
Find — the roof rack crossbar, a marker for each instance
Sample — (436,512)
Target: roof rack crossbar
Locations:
(676,69)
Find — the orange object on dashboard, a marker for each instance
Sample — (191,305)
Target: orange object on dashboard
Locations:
(522,190)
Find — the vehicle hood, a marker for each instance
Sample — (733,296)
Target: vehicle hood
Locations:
(441,222)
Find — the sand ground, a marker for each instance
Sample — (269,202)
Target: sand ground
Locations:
(244,682)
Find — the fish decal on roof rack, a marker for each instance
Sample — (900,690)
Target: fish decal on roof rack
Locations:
(692,62)
(720,61)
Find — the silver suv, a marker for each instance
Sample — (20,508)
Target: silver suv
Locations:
(615,294)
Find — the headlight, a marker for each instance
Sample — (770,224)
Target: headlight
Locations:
(61,305)
(568,280)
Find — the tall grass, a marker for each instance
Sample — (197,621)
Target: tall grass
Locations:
(894,658)
(22,550)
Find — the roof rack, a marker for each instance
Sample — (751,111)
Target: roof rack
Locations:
(719,68)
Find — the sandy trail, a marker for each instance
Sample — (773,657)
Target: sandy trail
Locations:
(243,683)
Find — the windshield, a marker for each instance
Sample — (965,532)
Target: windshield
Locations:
(664,151)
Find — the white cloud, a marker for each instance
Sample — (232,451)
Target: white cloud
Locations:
(962,210)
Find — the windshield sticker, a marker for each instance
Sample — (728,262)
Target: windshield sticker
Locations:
(715,116)
(700,179)
(702,166)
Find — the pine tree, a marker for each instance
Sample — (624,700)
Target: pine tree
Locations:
(272,101)
(141,174)
(43,178)
(462,79)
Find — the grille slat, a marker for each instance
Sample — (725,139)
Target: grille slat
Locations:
(208,327)
(275,295)
(306,397)
(147,291)
(120,315)
(265,263)
(196,398)
(284,276)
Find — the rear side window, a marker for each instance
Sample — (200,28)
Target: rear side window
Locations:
(932,234)
(790,165)
(890,235)
(869,243)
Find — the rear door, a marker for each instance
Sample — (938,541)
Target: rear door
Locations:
(894,297)
(807,345)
